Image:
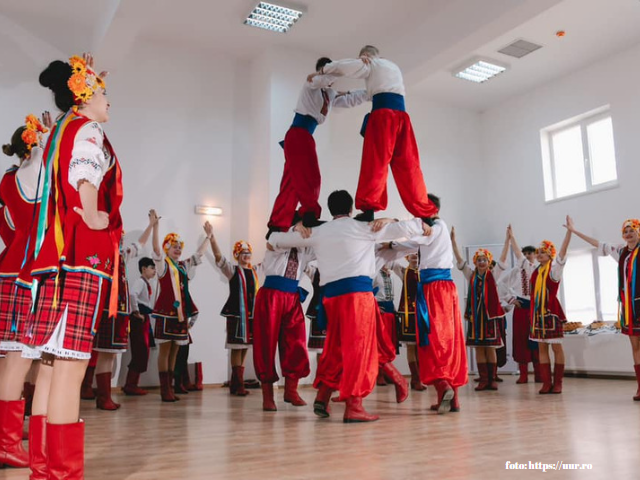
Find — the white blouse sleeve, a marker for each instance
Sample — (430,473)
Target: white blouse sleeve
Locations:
(226,267)
(610,249)
(556,268)
(351,99)
(88,160)
(466,270)
(161,265)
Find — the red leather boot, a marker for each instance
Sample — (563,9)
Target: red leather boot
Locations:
(483,370)
(545,375)
(173,392)
(197,386)
(637,396)
(11,423)
(291,394)
(86,392)
(355,412)
(446,393)
(65,451)
(38,448)
(455,402)
(178,384)
(380,380)
(240,390)
(165,387)
(558,374)
(402,387)
(492,374)
(131,385)
(268,403)
(524,373)
(321,403)
(103,399)
(416,384)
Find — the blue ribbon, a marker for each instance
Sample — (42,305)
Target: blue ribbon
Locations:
(303,121)
(287,285)
(427,276)
(343,286)
(392,101)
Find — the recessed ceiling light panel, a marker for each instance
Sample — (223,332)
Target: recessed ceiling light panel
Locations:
(479,70)
(273,17)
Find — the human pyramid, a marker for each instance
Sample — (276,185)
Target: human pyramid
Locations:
(66,301)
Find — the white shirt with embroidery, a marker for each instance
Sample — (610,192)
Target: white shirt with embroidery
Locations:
(90,159)
(311,99)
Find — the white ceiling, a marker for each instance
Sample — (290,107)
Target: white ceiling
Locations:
(425,37)
(594,29)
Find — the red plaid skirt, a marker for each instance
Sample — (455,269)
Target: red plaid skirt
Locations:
(84,295)
(113,334)
(15,303)
(170,328)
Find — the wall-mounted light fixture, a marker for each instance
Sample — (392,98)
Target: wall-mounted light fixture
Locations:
(205,210)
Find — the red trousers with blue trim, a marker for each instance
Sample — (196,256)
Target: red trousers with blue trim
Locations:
(278,322)
(300,179)
(349,361)
(387,338)
(389,142)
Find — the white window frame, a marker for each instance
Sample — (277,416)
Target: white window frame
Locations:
(548,160)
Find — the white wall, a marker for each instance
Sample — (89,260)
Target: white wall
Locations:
(512,154)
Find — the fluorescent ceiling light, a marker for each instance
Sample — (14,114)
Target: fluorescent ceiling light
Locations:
(479,70)
(273,17)
(206,210)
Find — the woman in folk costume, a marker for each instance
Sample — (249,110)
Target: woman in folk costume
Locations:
(174,311)
(19,194)
(483,312)
(238,310)
(628,283)
(547,316)
(317,331)
(112,336)
(73,263)
(407,317)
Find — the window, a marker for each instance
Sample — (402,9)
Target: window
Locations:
(579,155)
(590,287)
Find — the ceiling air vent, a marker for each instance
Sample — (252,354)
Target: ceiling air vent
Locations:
(520,48)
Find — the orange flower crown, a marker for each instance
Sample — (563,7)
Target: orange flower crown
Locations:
(238,247)
(547,246)
(483,252)
(171,239)
(32,131)
(633,223)
(83,81)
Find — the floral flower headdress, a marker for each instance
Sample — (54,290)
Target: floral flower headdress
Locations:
(547,246)
(633,223)
(32,131)
(238,247)
(483,252)
(83,81)
(172,239)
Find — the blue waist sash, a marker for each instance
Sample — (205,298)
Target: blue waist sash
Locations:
(386,306)
(287,285)
(341,287)
(392,101)
(427,275)
(524,303)
(303,121)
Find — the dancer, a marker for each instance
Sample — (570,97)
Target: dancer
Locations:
(19,194)
(483,311)
(301,177)
(389,140)
(441,348)
(174,311)
(239,308)
(142,302)
(517,294)
(628,284)
(345,252)
(278,322)
(317,327)
(547,316)
(76,262)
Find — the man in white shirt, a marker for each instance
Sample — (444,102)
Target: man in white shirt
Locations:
(301,177)
(388,137)
(345,252)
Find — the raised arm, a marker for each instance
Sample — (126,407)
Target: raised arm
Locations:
(515,248)
(289,240)
(212,240)
(454,245)
(156,241)
(208,230)
(505,248)
(570,226)
(567,238)
(153,221)
(350,67)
